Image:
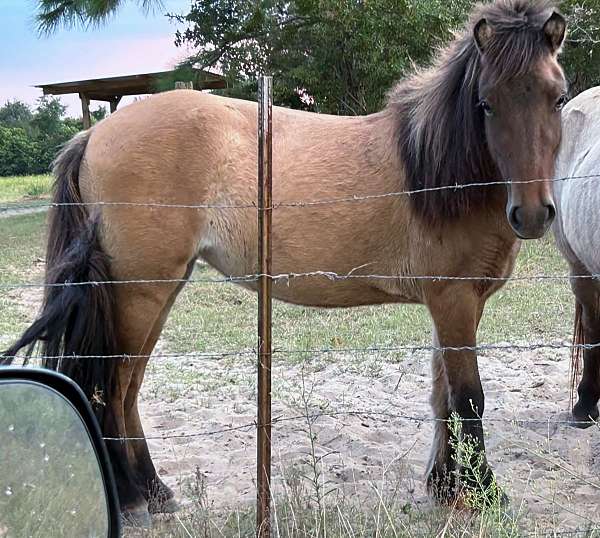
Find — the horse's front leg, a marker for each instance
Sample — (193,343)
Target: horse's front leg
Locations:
(588,297)
(458,460)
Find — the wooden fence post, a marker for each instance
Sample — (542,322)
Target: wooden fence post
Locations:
(265,177)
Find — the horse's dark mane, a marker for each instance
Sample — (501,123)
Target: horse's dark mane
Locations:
(440,129)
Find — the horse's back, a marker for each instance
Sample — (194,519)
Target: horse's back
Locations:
(577,228)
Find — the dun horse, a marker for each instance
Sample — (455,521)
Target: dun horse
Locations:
(576,232)
(488,108)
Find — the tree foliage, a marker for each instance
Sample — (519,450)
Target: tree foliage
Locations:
(581,56)
(17,152)
(337,56)
(52,14)
(30,139)
(16,114)
(341,56)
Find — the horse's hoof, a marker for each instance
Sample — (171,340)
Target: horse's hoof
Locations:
(583,418)
(140,519)
(441,485)
(166,506)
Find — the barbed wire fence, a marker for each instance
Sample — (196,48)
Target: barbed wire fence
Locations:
(324,273)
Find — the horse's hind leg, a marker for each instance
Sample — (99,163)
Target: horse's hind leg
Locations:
(586,408)
(159,495)
(138,307)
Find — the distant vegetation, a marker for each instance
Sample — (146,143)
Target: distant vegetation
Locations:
(331,56)
(342,56)
(30,138)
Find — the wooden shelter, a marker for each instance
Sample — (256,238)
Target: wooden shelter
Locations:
(112,89)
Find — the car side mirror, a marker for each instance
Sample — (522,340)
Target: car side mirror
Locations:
(55,476)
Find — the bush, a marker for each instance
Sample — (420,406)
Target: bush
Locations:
(30,140)
(18,152)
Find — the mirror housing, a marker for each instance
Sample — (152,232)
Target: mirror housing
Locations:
(54,466)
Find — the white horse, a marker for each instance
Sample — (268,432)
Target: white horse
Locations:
(577,232)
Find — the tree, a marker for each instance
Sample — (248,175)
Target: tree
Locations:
(18,152)
(47,119)
(336,56)
(15,114)
(341,56)
(53,14)
(581,56)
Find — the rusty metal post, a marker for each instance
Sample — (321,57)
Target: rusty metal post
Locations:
(265,180)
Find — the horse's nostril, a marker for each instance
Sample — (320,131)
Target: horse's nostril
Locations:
(516,217)
(551,213)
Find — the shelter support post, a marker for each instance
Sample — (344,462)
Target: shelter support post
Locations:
(85,110)
(114,103)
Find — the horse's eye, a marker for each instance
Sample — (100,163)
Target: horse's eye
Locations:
(485,106)
(560,104)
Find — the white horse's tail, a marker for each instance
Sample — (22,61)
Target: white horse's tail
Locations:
(576,352)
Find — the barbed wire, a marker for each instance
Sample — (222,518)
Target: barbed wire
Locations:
(306,203)
(584,533)
(333,276)
(363,413)
(219,356)
(287,277)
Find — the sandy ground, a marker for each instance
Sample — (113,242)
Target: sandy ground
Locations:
(371,435)
(548,469)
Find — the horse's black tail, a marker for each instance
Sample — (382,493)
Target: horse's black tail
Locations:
(76,325)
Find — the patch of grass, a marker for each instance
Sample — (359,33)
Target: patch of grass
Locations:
(22,249)
(22,246)
(18,189)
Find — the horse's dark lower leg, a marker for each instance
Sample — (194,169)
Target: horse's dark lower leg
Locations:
(456,314)
(159,496)
(134,505)
(586,408)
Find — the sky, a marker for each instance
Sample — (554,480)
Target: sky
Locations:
(131,42)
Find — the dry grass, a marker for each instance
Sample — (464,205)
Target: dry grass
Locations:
(19,189)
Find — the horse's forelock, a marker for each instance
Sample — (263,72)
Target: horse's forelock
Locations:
(441,133)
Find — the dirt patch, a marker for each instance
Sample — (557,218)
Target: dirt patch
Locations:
(546,467)
(8,212)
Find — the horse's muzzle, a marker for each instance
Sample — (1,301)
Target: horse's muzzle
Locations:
(531,223)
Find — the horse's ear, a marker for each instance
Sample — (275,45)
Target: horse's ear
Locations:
(555,30)
(483,33)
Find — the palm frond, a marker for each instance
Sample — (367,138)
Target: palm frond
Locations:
(53,14)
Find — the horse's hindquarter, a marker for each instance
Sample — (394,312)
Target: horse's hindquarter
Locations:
(188,148)
(577,229)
